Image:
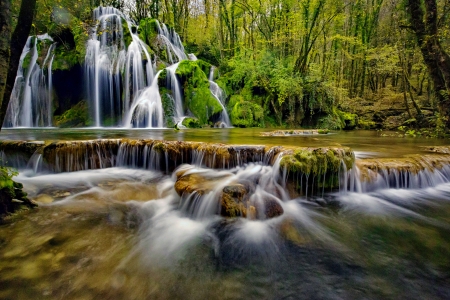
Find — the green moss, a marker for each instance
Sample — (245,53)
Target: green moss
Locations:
(127,39)
(191,123)
(148,30)
(66,55)
(365,124)
(247,114)
(77,116)
(168,106)
(349,120)
(197,95)
(318,161)
(205,66)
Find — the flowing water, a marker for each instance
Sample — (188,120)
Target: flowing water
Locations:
(123,232)
(31,100)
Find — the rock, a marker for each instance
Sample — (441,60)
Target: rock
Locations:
(234,201)
(271,208)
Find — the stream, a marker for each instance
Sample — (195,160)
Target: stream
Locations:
(125,233)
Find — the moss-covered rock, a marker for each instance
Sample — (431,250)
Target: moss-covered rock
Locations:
(247,114)
(148,30)
(191,123)
(168,106)
(197,96)
(349,120)
(77,116)
(71,47)
(12,196)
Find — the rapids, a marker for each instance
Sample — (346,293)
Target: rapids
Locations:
(122,231)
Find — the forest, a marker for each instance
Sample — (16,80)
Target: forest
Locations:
(368,64)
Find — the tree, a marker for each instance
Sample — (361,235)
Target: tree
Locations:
(11,57)
(424,22)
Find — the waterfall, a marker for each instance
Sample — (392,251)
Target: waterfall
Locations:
(30,104)
(107,57)
(146,110)
(173,43)
(174,85)
(218,93)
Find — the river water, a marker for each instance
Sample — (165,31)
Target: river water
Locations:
(123,233)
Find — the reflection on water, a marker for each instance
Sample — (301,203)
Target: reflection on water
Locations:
(121,233)
(361,141)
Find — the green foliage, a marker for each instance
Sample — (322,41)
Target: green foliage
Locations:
(148,30)
(168,106)
(191,123)
(77,116)
(197,95)
(247,114)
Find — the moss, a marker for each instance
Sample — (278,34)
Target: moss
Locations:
(247,114)
(77,116)
(318,161)
(365,124)
(349,120)
(71,48)
(148,30)
(191,123)
(127,39)
(9,190)
(168,106)
(205,66)
(197,95)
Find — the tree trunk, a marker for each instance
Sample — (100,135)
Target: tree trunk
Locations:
(436,60)
(18,40)
(5,38)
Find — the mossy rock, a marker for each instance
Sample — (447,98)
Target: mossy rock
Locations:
(77,116)
(71,47)
(349,120)
(148,30)
(197,96)
(247,114)
(318,161)
(168,106)
(127,39)
(205,66)
(191,123)
(366,124)
(12,196)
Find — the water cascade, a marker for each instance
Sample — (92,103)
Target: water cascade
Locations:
(172,40)
(31,101)
(107,57)
(219,94)
(174,85)
(146,110)
(145,214)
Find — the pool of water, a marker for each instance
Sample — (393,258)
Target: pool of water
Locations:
(371,143)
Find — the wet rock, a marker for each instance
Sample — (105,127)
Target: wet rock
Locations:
(188,184)
(234,201)
(270,208)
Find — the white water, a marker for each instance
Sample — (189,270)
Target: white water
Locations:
(172,40)
(31,103)
(174,85)
(218,93)
(146,110)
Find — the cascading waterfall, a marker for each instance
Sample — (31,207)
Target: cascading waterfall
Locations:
(218,93)
(106,58)
(146,110)
(31,100)
(174,85)
(173,43)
